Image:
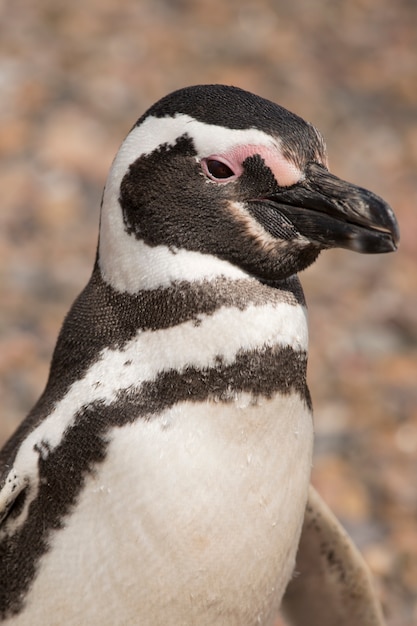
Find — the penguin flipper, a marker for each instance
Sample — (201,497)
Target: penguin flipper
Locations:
(332,585)
(10,488)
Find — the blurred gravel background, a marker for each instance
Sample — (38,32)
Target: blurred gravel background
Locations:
(75,76)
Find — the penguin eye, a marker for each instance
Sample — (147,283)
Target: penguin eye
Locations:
(217,170)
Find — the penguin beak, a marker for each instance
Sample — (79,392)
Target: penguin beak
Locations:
(334,213)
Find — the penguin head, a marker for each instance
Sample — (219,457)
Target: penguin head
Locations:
(223,173)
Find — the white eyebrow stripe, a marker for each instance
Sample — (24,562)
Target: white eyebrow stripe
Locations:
(156,131)
(207,138)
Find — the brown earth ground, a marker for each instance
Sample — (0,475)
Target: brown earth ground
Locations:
(75,76)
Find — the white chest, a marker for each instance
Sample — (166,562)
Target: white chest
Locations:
(193,518)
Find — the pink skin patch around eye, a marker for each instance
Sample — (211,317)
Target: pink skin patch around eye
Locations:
(285,172)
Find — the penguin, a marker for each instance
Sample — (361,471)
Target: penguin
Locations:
(163,477)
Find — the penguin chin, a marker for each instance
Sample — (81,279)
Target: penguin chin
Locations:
(276,277)
(275,264)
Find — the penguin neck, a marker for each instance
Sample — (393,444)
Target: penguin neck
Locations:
(131,269)
(109,318)
(158,280)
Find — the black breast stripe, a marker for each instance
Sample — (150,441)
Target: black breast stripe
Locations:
(103,318)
